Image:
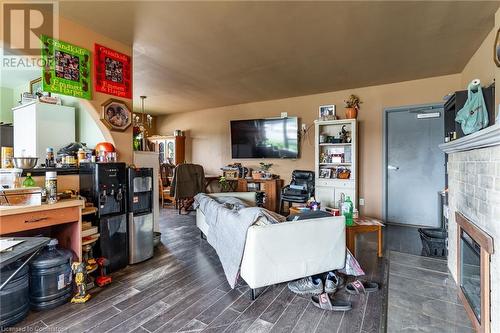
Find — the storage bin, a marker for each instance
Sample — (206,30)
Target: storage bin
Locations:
(14,297)
(434,242)
(51,277)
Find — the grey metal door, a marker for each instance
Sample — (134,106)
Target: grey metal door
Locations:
(415,166)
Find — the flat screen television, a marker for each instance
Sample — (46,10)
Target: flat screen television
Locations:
(265,138)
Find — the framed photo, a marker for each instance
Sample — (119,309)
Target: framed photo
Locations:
(36,86)
(112,72)
(116,115)
(325,173)
(327,112)
(66,68)
(496,49)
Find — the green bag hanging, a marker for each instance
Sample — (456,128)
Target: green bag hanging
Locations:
(473,116)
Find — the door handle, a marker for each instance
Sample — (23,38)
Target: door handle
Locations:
(392,167)
(36,220)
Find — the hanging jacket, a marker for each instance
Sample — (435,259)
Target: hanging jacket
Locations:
(188,181)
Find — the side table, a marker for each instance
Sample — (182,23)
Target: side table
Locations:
(361,225)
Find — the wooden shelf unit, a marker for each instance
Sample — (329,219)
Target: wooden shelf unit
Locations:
(170,148)
(329,190)
(272,190)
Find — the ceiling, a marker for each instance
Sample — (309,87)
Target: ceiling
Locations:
(196,55)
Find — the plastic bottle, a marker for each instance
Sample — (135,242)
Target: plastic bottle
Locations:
(49,159)
(51,186)
(28,182)
(347,208)
(81,155)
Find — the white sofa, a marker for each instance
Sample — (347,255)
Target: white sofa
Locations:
(287,251)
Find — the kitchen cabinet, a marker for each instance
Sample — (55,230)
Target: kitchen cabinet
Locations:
(171,149)
(61,220)
(40,125)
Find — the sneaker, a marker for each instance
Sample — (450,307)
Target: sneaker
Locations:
(332,282)
(306,285)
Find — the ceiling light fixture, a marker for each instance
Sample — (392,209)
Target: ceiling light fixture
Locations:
(139,121)
(141,125)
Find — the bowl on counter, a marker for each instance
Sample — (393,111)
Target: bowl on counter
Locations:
(25,162)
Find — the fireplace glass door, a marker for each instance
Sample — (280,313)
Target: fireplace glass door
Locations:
(470,281)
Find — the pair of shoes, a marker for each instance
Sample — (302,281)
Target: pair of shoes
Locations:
(307,285)
(314,285)
(332,282)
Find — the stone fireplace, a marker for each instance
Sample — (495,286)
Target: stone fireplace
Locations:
(474,209)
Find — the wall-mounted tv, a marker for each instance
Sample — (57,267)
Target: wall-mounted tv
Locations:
(265,138)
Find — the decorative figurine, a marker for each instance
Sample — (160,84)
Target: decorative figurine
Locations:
(80,272)
(344,135)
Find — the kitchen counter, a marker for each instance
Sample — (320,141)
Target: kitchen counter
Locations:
(60,171)
(61,220)
(12,210)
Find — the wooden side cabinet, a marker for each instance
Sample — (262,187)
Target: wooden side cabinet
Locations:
(171,149)
(271,188)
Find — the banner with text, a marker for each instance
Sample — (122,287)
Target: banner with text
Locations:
(66,68)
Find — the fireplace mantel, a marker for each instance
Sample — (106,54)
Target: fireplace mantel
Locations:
(487,137)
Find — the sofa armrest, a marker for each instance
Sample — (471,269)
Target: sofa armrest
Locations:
(291,250)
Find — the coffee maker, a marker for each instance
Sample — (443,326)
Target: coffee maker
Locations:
(105,185)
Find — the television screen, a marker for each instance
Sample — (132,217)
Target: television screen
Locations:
(265,138)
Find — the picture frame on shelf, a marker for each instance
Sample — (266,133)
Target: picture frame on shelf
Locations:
(36,89)
(36,86)
(116,115)
(496,49)
(325,173)
(327,112)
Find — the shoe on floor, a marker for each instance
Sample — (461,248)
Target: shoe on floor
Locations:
(307,285)
(332,282)
(327,302)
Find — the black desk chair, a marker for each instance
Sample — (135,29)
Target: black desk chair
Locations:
(300,190)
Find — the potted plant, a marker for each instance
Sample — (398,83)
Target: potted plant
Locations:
(224,184)
(352,106)
(263,172)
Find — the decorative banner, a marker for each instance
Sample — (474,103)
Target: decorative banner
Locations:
(66,68)
(112,72)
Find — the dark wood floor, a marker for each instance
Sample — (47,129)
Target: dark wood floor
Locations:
(183,289)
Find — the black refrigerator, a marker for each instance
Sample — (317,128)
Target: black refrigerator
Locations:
(105,185)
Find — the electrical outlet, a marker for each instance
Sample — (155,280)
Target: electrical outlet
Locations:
(304,127)
(284,114)
(361,201)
